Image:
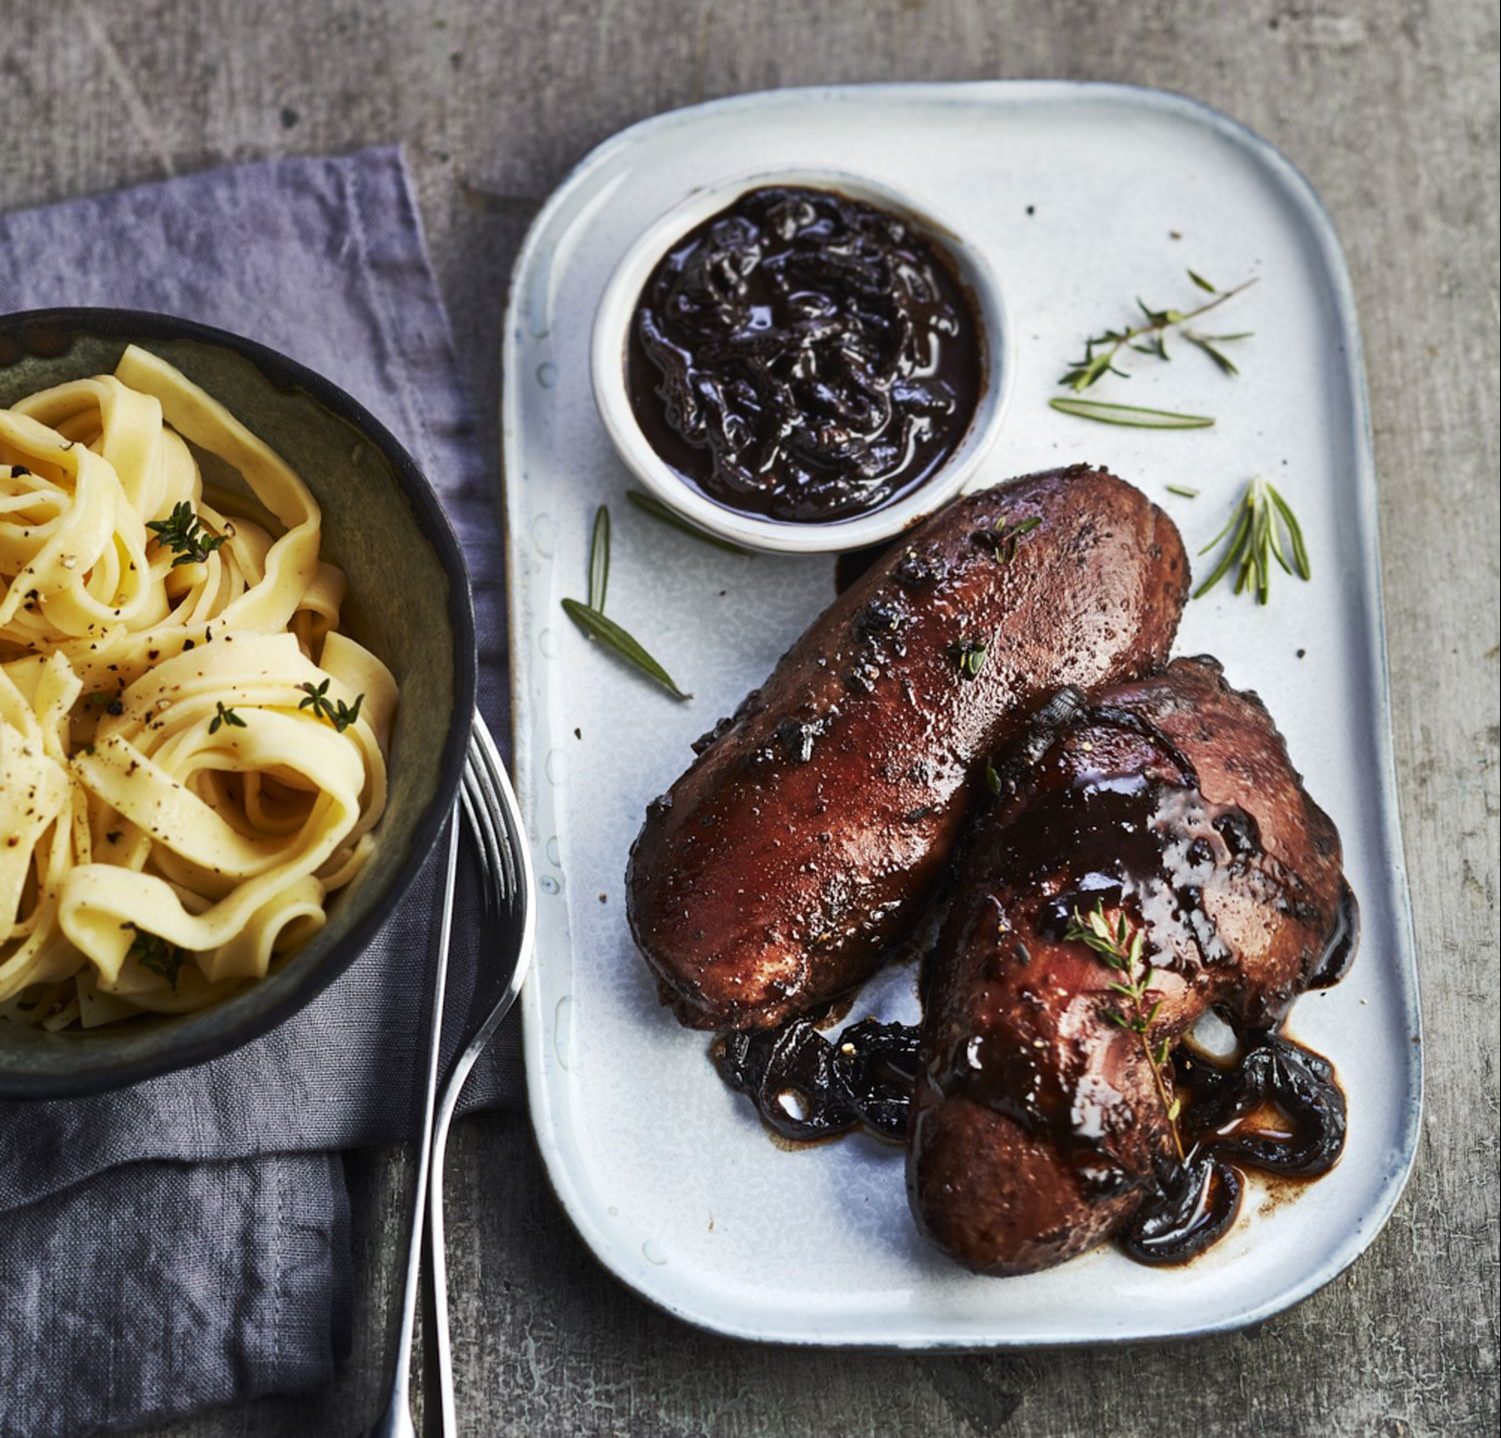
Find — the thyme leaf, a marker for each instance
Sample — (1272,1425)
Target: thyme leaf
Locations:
(1001,540)
(223,715)
(335,711)
(154,954)
(969,655)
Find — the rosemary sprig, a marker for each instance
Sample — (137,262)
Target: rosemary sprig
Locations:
(1122,950)
(969,655)
(591,619)
(1134,415)
(224,715)
(154,954)
(1102,352)
(650,504)
(336,711)
(183,533)
(596,626)
(599,559)
(1256,537)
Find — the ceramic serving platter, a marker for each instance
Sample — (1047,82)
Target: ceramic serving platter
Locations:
(1083,197)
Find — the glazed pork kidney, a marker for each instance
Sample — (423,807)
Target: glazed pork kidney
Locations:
(780,869)
(1155,838)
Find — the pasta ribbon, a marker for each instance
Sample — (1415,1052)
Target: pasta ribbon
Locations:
(192,754)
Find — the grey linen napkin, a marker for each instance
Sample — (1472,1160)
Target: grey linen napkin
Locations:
(185,1242)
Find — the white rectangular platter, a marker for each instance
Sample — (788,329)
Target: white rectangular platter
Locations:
(1083,196)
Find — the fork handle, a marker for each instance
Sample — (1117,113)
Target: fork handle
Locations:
(438,1244)
(396,1421)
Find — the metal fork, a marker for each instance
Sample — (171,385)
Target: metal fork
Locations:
(491,815)
(396,1420)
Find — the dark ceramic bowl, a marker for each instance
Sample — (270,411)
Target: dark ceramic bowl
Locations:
(408,602)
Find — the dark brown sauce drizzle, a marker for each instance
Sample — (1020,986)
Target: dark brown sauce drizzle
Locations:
(803,356)
(1155,846)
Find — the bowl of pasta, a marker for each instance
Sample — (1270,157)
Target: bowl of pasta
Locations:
(236,678)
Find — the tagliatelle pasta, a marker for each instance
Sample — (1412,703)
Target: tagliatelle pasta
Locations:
(192,755)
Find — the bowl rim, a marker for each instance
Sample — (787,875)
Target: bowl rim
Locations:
(608,365)
(432,520)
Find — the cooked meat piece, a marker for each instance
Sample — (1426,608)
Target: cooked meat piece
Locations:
(1165,808)
(780,869)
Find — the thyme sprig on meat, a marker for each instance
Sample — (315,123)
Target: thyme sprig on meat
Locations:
(1001,539)
(1122,949)
(969,655)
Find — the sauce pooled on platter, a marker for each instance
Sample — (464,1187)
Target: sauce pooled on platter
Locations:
(804,357)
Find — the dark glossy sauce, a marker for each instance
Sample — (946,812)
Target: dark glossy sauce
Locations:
(1151,844)
(804,357)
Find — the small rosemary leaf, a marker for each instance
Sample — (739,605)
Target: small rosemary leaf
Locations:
(599,559)
(1174,1109)
(1232,552)
(1226,364)
(594,624)
(1295,533)
(1104,412)
(650,504)
(1184,490)
(992,778)
(1202,283)
(1119,1019)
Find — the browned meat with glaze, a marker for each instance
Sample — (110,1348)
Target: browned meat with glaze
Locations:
(1171,803)
(781,867)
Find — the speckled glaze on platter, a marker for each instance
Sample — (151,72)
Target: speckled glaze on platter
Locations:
(668,1176)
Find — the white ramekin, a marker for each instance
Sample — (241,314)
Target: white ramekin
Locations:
(608,352)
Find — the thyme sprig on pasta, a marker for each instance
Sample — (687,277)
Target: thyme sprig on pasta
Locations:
(183,533)
(154,954)
(336,711)
(224,715)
